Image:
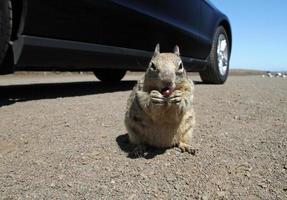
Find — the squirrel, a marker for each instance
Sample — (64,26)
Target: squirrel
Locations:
(160,108)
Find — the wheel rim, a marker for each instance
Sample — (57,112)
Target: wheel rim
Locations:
(222,54)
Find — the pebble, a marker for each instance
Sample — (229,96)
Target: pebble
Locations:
(262,185)
(52,185)
(67,124)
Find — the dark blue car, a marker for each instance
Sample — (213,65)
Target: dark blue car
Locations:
(110,37)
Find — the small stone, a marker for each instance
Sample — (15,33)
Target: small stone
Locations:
(237,117)
(61,177)
(67,124)
(84,161)
(52,185)
(262,185)
(113,182)
(176,186)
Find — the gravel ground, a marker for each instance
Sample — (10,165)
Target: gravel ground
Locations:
(63,137)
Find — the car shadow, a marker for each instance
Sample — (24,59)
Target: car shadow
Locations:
(126,146)
(198,83)
(19,93)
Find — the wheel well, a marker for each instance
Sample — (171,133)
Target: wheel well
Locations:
(227,27)
(17,14)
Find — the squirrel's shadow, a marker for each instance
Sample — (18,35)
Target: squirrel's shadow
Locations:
(126,146)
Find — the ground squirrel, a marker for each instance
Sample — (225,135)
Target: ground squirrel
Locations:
(160,108)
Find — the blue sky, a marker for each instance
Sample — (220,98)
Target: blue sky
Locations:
(259,29)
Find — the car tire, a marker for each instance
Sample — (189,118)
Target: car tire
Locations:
(110,75)
(218,66)
(5,27)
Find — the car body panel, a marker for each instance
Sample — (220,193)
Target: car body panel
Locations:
(39,54)
(114,24)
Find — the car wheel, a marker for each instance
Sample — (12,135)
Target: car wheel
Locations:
(218,66)
(5,27)
(110,75)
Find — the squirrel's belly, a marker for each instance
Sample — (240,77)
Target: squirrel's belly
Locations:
(161,136)
(168,134)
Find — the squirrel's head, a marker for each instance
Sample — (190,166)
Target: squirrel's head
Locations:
(165,70)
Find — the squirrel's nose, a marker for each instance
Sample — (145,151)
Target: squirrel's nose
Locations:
(167,78)
(167,83)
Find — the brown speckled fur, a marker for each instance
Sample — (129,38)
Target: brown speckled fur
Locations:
(158,121)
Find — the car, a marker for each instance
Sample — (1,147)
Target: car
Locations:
(109,37)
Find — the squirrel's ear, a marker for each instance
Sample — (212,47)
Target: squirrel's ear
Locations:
(156,50)
(176,50)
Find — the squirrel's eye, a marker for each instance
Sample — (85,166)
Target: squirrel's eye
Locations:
(152,67)
(180,67)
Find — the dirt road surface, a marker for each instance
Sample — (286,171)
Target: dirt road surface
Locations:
(63,137)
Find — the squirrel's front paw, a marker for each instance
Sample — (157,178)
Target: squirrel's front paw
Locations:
(176,97)
(156,97)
